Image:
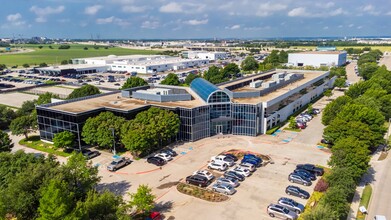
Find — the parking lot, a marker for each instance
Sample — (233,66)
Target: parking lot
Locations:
(255,193)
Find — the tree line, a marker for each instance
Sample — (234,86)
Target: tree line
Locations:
(355,126)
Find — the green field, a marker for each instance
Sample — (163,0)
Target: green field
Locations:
(55,55)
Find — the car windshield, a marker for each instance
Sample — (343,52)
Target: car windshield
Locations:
(229,187)
(114,163)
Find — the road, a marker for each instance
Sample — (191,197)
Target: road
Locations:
(386,60)
(381,195)
(351,73)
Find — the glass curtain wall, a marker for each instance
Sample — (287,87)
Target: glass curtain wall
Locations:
(244,119)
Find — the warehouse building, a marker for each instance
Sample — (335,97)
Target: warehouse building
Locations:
(212,56)
(317,58)
(72,69)
(236,107)
(146,64)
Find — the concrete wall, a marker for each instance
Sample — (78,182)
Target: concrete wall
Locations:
(316,60)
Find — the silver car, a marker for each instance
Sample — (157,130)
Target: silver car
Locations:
(228,180)
(280,212)
(291,204)
(224,188)
(248,166)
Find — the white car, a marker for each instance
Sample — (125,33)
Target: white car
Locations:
(204,173)
(223,159)
(248,166)
(245,172)
(164,156)
(220,166)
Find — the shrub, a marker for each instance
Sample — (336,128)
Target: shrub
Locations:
(321,186)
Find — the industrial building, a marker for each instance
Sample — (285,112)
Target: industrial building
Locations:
(142,63)
(246,106)
(72,69)
(317,58)
(212,56)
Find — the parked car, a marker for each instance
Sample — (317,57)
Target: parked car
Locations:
(224,188)
(301,125)
(228,180)
(305,173)
(91,154)
(324,141)
(241,170)
(251,161)
(315,111)
(164,156)
(312,168)
(118,163)
(248,166)
(156,160)
(217,166)
(281,212)
(296,178)
(224,159)
(235,175)
(204,173)
(197,180)
(169,152)
(291,204)
(296,191)
(252,157)
(233,157)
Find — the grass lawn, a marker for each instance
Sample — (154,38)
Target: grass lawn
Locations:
(36,143)
(293,129)
(53,56)
(366,196)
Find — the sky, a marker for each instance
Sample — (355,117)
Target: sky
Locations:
(189,19)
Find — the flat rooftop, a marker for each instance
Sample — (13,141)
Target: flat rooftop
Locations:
(248,79)
(321,52)
(71,66)
(116,101)
(170,60)
(115,57)
(308,76)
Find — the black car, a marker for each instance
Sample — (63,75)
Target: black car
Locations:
(234,175)
(296,191)
(169,152)
(197,180)
(233,157)
(91,154)
(156,160)
(312,168)
(305,173)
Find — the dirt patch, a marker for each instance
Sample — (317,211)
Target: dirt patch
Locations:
(201,193)
(383,155)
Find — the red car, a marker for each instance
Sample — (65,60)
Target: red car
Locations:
(155,216)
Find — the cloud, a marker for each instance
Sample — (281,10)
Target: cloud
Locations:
(150,24)
(359,27)
(340,26)
(298,12)
(233,27)
(327,5)
(186,8)
(351,25)
(92,10)
(302,12)
(134,9)
(325,28)
(15,19)
(388,13)
(196,22)
(370,9)
(112,20)
(256,28)
(267,9)
(42,13)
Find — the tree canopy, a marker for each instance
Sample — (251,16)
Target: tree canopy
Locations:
(64,139)
(143,199)
(86,90)
(171,79)
(24,125)
(6,116)
(214,75)
(5,142)
(249,64)
(27,108)
(190,78)
(134,81)
(46,98)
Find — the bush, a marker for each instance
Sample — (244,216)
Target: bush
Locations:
(321,186)
(64,47)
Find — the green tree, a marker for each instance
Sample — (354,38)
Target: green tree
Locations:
(86,90)
(27,108)
(64,62)
(40,46)
(3,66)
(56,201)
(64,47)
(328,93)
(23,125)
(134,81)
(43,65)
(367,70)
(50,46)
(337,71)
(249,64)
(26,65)
(85,48)
(143,199)
(337,200)
(6,116)
(5,142)
(230,70)
(340,83)
(283,57)
(292,123)
(64,139)
(171,79)
(96,130)
(137,137)
(213,75)
(98,206)
(46,98)
(359,88)
(320,212)
(333,108)
(190,78)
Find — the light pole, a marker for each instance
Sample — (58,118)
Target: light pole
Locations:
(112,130)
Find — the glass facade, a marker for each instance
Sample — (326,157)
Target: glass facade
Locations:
(244,119)
(218,97)
(203,88)
(194,123)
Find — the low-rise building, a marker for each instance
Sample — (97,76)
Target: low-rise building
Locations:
(317,58)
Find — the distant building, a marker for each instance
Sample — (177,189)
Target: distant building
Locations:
(317,58)
(205,55)
(142,63)
(326,48)
(71,69)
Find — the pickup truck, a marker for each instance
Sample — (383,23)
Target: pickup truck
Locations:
(118,163)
